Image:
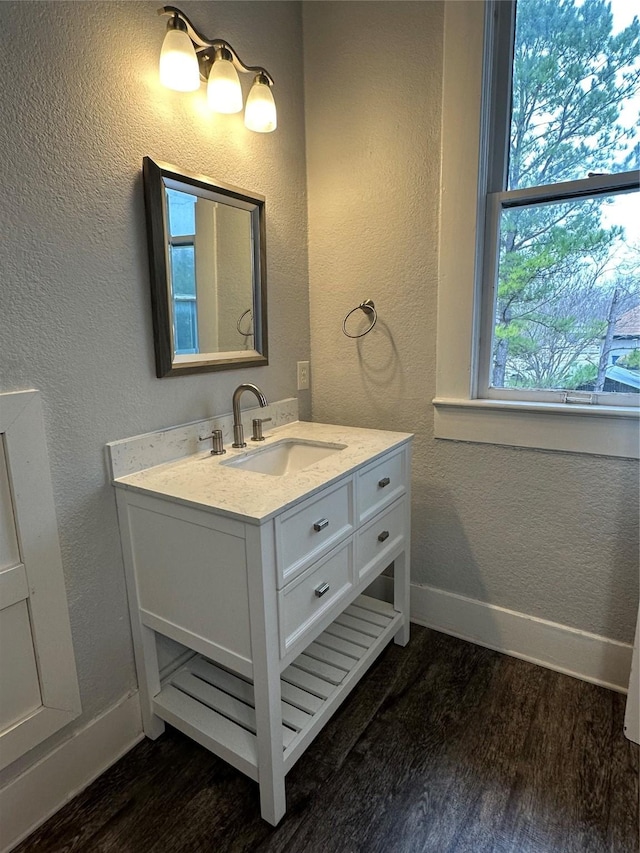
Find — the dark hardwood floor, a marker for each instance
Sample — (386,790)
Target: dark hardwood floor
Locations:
(443,747)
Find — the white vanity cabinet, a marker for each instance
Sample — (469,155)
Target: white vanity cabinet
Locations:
(273,608)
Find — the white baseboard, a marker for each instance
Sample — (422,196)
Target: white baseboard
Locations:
(589,657)
(40,791)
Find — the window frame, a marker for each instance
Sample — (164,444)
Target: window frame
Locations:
(472,35)
(497,202)
(494,150)
(188,241)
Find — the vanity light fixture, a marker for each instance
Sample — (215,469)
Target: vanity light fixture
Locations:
(187,57)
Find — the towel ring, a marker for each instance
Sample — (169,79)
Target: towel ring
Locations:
(240,319)
(369,308)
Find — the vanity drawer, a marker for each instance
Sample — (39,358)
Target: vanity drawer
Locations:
(306,599)
(310,529)
(380,540)
(381,483)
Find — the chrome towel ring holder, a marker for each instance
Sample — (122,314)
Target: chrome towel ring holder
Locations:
(369,308)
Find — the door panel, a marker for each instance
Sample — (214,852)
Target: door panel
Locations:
(38,681)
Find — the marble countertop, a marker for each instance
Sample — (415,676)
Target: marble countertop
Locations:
(204,481)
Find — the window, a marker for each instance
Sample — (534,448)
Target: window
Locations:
(538,295)
(183,280)
(182,260)
(561,269)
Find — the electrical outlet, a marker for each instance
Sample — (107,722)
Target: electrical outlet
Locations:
(303,375)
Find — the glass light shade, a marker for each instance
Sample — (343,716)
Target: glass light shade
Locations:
(179,63)
(260,112)
(224,92)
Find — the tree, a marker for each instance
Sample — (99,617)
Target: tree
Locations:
(570,78)
(558,342)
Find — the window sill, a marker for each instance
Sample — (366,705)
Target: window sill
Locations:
(601,430)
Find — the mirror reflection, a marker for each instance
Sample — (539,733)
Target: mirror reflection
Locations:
(207,268)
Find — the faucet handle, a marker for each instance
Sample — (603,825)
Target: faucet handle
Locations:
(218,443)
(257,428)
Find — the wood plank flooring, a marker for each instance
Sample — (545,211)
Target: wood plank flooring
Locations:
(444,747)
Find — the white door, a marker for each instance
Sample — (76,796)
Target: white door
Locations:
(38,681)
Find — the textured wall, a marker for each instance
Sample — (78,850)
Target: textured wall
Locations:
(81,106)
(554,535)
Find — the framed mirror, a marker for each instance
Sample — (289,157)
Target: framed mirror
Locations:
(207,258)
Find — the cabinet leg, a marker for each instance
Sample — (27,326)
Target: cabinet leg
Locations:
(401,596)
(144,639)
(263,611)
(272,800)
(149,682)
(269,735)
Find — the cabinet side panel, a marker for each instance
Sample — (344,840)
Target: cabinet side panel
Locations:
(193,577)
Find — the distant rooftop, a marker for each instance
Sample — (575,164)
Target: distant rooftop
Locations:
(629,324)
(630,378)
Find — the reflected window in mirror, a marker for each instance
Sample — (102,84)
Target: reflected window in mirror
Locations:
(181,212)
(207,259)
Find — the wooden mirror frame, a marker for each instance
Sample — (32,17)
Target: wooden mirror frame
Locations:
(154,175)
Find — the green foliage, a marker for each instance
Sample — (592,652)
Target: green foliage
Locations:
(631,361)
(581,376)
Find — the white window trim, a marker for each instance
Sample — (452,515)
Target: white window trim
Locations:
(459,414)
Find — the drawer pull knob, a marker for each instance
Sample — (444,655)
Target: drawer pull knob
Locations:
(382,536)
(320,590)
(320,525)
(384,482)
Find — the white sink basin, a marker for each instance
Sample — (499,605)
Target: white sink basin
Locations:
(284,457)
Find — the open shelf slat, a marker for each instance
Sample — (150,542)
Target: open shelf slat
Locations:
(342,631)
(292,716)
(331,674)
(366,614)
(330,656)
(231,742)
(364,629)
(306,681)
(330,641)
(216,707)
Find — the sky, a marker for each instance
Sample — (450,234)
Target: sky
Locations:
(623,13)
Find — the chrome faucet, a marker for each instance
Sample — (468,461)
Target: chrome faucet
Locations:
(238,432)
